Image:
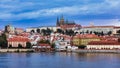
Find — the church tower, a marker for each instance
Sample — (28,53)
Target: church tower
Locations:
(62,20)
(57,22)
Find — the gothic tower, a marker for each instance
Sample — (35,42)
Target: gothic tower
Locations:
(57,23)
(62,20)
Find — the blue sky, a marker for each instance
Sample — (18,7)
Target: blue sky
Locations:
(33,13)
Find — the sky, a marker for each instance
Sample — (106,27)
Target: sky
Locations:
(34,13)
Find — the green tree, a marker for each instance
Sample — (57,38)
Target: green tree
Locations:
(82,46)
(3,41)
(44,41)
(32,31)
(20,46)
(43,31)
(28,45)
(59,30)
(38,30)
(109,33)
(53,45)
(10,46)
(87,31)
(91,32)
(69,32)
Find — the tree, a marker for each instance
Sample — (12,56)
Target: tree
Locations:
(43,31)
(38,30)
(3,41)
(47,41)
(81,46)
(28,45)
(102,33)
(91,32)
(76,33)
(109,33)
(48,31)
(96,33)
(53,45)
(59,30)
(69,32)
(118,31)
(87,31)
(10,46)
(32,31)
(20,46)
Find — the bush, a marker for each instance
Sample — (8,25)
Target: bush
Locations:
(44,41)
(53,45)
(28,45)
(82,46)
(20,46)
(10,46)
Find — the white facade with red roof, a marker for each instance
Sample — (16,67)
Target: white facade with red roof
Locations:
(103,45)
(16,40)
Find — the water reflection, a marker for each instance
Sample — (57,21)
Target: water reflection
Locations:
(59,60)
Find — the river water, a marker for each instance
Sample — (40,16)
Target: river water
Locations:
(59,60)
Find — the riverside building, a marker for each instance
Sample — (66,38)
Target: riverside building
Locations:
(84,39)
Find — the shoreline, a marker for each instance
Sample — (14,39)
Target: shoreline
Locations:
(15,50)
(95,51)
(70,51)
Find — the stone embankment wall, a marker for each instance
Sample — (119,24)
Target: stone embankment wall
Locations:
(16,50)
(96,51)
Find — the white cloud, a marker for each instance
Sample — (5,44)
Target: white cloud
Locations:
(11,6)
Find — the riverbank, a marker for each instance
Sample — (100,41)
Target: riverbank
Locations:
(76,51)
(16,50)
(96,51)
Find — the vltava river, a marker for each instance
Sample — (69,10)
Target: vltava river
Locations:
(59,60)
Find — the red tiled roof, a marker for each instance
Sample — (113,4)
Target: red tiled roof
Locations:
(104,43)
(44,45)
(109,38)
(117,27)
(18,39)
(70,26)
(86,36)
(19,28)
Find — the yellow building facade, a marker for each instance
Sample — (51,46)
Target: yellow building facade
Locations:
(84,39)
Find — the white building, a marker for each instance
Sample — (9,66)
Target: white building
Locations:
(54,28)
(104,29)
(116,29)
(104,45)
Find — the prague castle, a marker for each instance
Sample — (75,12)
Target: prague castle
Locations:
(65,24)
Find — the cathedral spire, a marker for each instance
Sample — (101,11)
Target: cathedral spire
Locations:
(62,20)
(62,17)
(57,22)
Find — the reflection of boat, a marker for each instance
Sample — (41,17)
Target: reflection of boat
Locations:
(61,50)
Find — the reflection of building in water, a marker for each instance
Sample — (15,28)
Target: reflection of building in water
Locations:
(97,56)
(66,54)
